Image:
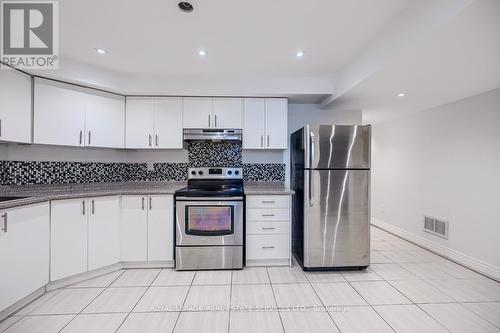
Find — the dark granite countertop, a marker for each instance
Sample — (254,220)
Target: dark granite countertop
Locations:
(32,194)
(266,188)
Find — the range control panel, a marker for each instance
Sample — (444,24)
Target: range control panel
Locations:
(215,173)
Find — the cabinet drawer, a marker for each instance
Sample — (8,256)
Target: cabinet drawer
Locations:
(268,228)
(263,215)
(262,247)
(268,201)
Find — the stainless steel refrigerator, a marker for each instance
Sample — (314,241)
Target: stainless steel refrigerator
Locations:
(330,174)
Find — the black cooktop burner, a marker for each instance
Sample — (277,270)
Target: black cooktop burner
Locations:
(210,192)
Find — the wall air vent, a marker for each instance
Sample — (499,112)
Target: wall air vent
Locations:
(435,226)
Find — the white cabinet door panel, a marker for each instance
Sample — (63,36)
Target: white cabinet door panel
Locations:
(68,238)
(59,114)
(227,112)
(168,122)
(104,232)
(161,228)
(197,112)
(276,123)
(139,123)
(15,106)
(24,250)
(134,228)
(253,123)
(105,121)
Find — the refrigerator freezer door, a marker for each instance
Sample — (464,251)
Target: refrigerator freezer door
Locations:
(337,147)
(336,227)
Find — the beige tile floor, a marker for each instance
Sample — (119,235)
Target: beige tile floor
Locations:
(406,289)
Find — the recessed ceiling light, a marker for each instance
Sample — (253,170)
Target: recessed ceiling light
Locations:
(300,54)
(202,53)
(185,6)
(101,51)
(401,95)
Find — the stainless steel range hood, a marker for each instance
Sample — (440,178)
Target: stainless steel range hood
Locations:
(212,134)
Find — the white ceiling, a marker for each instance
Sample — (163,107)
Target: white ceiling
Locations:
(459,59)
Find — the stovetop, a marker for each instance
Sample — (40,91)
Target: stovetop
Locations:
(213,182)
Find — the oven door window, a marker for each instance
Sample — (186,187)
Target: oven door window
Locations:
(209,220)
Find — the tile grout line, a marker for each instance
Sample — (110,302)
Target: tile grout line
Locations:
(275,300)
(124,319)
(230,305)
(184,302)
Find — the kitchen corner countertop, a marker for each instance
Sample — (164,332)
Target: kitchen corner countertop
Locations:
(266,188)
(32,194)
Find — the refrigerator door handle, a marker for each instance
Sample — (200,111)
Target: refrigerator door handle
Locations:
(312,147)
(311,188)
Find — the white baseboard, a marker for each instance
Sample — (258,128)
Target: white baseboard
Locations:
(272,262)
(148,264)
(19,304)
(458,257)
(61,283)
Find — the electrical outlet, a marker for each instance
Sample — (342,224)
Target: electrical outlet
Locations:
(151,166)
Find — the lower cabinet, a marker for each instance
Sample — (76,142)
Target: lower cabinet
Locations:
(84,235)
(268,230)
(147,228)
(24,252)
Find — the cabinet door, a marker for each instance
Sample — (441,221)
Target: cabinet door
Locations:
(15,106)
(160,228)
(59,114)
(227,112)
(139,123)
(134,235)
(24,249)
(197,112)
(168,122)
(276,123)
(254,123)
(105,120)
(104,232)
(68,238)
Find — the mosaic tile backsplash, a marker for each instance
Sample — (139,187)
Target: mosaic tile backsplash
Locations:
(199,154)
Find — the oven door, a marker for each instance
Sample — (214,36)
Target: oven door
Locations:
(209,221)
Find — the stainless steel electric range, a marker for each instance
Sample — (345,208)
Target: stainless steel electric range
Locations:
(209,220)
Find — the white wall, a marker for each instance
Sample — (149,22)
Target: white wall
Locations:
(302,114)
(444,162)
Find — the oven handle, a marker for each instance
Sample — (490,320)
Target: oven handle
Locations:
(214,198)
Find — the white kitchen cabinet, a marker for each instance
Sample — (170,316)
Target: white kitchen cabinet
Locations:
(197,112)
(147,228)
(227,112)
(15,106)
(265,123)
(68,238)
(268,232)
(72,116)
(103,232)
(160,228)
(24,248)
(154,122)
(105,121)
(134,228)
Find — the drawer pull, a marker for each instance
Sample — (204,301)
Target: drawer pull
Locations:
(267,215)
(268,201)
(270,228)
(267,247)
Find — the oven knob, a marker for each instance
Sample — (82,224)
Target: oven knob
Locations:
(229,172)
(236,172)
(193,173)
(200,172)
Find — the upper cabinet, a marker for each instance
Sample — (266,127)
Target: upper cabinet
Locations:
(265,123)
(73,116)
(208,112)
(154,122)
(15,106)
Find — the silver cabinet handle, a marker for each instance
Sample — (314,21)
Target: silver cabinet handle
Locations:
(262,140)
(267,247)
(208,120)
(93,207)
(83,207)
(150,140)
(215,120)
(90,136)
(0,127)
(81,137)
(156,140)
(150,203)
(268,228)
(267,215)
(4,216)
(268,140)
(268,201)
(142,203)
